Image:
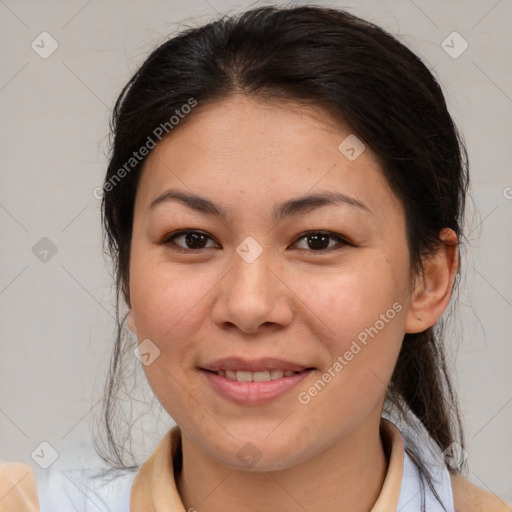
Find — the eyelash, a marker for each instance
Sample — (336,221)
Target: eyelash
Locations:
(168,240)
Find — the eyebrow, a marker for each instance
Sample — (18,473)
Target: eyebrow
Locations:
(296,206)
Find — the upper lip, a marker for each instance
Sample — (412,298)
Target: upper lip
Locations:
(256,365)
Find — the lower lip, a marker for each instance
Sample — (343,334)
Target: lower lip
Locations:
(253,393)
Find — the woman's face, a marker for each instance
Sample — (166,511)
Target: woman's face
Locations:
(255,291)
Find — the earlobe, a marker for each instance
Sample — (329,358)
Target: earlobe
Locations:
(433,288)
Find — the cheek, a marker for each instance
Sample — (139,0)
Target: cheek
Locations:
(362,312)
(169,304)
(350,301)
(164,298)
(166,304)
(355,380)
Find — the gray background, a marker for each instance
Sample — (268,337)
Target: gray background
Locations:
(56,324)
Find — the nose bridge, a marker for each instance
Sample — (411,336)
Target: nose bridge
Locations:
(252,294)
(251,274)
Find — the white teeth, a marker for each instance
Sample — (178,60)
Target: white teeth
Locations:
(276,374)
(261,376)
(244,376)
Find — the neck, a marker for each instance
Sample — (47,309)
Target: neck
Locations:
(348,476)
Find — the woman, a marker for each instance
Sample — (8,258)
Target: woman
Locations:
(284,207)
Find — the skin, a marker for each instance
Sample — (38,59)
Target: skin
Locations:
(292,303)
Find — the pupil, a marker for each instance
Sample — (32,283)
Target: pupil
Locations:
(194,240)
(319,241)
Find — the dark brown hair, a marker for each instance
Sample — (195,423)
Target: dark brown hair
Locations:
(358,73)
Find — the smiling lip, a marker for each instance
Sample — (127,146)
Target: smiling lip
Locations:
(253,382)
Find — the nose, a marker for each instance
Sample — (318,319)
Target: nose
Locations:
(253,296)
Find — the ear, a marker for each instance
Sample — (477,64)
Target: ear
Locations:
(433,288)
(131,322)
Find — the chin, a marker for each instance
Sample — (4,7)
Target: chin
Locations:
(259,454)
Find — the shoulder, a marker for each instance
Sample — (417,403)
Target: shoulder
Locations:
(79,488)
(453,490)
(17,487)
(78,481)
(468,497)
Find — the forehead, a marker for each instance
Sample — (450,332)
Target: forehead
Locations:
(252,152)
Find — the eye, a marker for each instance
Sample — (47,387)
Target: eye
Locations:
(192,240)
(315,241)
(320,241)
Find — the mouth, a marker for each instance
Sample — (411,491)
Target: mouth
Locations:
(262,376)
(253,382)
